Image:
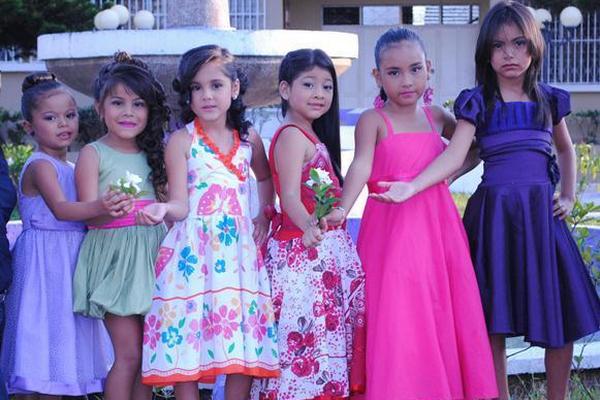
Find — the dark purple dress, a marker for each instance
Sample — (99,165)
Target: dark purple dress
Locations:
(532,279)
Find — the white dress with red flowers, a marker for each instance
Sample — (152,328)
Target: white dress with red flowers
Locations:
(318,297)
(211,311)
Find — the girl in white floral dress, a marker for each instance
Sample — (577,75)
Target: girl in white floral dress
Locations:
(211,311)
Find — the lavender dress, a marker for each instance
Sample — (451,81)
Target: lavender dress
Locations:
(48,349)
(532,279)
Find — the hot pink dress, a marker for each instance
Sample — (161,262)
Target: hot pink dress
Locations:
(426,334)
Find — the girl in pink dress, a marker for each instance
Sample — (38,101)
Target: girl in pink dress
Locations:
(316,278)
(426,334)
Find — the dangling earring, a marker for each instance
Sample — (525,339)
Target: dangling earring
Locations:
(428,96)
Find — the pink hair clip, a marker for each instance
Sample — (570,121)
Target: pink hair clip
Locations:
(378,103)
(428,96)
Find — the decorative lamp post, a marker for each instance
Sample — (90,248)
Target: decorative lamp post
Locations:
(543,18)
(122,12)
(106,19)
(143,19)
(571,17)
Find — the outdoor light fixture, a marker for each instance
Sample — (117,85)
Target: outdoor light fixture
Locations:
(106,19)
(543,18)
(122,12)
(570,18)
(143,19)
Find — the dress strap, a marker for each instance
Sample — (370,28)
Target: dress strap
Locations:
(429,116)
(272,149)
(387,121)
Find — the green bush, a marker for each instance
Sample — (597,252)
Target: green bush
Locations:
(91,128)
(16,155)
(11,130)
(588,124)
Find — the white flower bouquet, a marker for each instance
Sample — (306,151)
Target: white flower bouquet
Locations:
(320,182)
(128,185)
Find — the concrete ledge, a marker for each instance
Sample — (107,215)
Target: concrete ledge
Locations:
(16,66)
(531,360)
(263,43)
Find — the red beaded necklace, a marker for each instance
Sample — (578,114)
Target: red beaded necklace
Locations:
(226,159)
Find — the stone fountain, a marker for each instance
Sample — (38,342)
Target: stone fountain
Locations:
(76,57)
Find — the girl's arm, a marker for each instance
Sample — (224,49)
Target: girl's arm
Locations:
(260,166)
(563,204)
(177,208)
(290,149)
(90,208)
(365,139)
(448,123)
(441,168)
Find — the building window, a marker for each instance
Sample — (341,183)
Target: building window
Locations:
(341,16)
(380,15)
(407,15)
(446,15)
(247,14)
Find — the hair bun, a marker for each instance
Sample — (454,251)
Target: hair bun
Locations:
(122,57)
(37,78)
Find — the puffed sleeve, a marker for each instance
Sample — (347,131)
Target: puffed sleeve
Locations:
(560,103)
(469,105)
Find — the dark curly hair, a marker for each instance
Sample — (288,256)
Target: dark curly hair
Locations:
(34,87)
(135,75)
(189,65)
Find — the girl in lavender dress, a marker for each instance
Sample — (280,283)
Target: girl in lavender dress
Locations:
(532,279)
(48,350)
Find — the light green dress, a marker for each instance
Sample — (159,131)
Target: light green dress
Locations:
(115,269)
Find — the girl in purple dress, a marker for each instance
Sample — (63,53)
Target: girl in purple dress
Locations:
(532,279)
(47,349)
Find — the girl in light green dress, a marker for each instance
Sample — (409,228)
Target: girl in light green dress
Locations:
(114,278)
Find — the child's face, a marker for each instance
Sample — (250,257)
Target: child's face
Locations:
(310,95)
(212,92)
(124,112)
(510,56)
(403,72)
(54,122)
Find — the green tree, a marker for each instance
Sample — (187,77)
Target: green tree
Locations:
(22,21)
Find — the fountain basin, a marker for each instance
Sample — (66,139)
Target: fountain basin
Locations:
(76,57)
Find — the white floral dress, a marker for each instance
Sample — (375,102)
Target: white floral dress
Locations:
(211,311)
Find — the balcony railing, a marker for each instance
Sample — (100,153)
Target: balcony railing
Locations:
(573,57)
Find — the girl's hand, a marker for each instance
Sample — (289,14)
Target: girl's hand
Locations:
(261,229)
(562,206)
(397,192)
(335,217)
(152,214)
(117,204)
(312,236)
